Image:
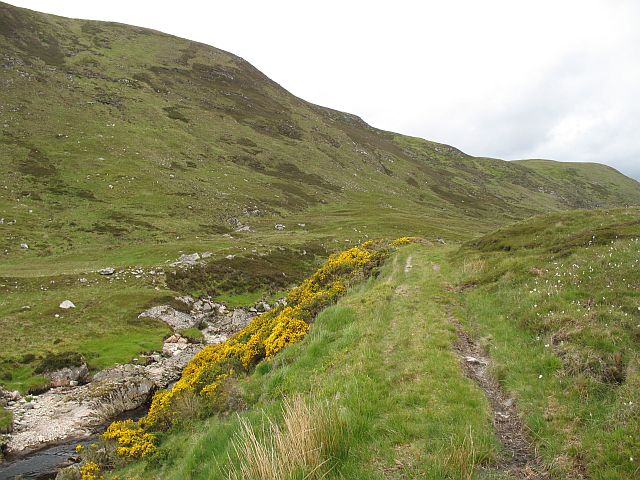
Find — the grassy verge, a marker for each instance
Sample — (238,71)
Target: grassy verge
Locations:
(556,303)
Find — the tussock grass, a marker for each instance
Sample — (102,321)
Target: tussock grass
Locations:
(302,445)
(459,459)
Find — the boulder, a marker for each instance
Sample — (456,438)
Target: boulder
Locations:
(189,259)
(262,307)
(172,317)
(68,376)
(186,299)
(107,271)
(280,226)
(7,396)
(66,304)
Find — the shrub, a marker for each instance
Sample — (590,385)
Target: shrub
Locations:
(131,439)
(90,471)
(264,336)
(398,242)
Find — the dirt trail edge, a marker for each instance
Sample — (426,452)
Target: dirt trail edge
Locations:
(520,459)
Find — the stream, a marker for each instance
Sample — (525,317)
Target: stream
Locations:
(44,463)
(58,419)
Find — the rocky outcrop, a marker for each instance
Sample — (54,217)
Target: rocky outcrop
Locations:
(223,326)
(172,317)
(68,376)
(190,259)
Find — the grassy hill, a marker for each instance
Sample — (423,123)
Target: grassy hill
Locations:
(114,136)
(125,147)
(550,303)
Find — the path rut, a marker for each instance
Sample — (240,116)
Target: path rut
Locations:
(520,459)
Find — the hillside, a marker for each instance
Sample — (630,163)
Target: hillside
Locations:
(128,148)
(115,135)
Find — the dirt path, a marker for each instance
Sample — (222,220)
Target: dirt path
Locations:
(520,459)
(409,264)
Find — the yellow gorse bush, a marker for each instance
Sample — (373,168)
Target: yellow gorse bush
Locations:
(132,440)
(288,329)
(398,242)
(264,336)
(90,471)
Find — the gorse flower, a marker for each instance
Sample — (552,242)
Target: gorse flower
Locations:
(90,471)
(131,438)
(266,335)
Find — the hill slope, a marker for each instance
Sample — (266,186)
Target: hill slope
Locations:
(551,325)
(114,135)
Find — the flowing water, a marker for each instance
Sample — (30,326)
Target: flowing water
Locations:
(44,463)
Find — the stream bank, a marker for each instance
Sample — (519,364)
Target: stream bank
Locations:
(47,427)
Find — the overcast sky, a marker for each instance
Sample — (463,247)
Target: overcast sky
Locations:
(507,79)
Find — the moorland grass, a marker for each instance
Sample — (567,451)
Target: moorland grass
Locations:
(558,312)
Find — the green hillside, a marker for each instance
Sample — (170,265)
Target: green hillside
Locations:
(126,147)
(115,136)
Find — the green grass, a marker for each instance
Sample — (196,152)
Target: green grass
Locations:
(6,421)
(103,327)
(192,334)
(559,313)
(357,355)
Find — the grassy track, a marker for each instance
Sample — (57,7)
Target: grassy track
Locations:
(383,358)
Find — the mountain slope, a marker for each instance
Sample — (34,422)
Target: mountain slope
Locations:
(116,135)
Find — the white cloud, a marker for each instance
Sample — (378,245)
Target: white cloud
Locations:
(499,78)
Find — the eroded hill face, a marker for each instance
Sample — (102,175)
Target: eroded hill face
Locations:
(117,135)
